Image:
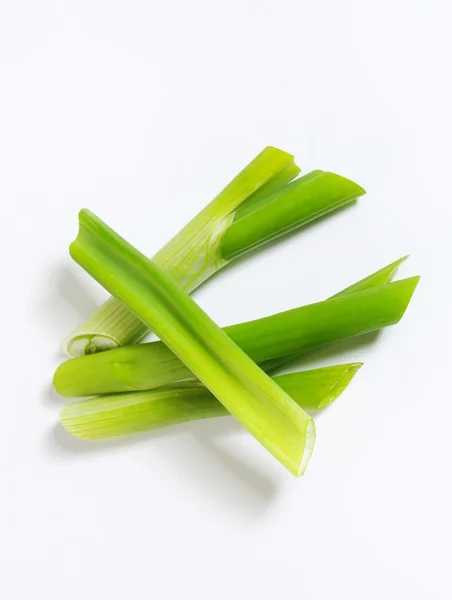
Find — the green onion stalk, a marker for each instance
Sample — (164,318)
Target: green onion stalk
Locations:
(133,412)
(247,392)
(260,204)
(368,305)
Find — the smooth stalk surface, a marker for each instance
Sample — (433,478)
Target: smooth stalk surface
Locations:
(296,204)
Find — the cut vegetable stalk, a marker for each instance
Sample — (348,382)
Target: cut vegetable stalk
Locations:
(296,204)
(122,414)
(268,413)
(378,278)
(256,207)
(267,340)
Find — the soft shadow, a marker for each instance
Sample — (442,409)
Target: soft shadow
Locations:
(49,397)
(248,476)
(74,293)
(196,455)
(65,302)
(60,443)
(206,462)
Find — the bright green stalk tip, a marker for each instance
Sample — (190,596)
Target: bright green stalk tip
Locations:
(324,322)
(268,413)
(380,277)
(122,414)
(297,204)
(317,388)
(340,385)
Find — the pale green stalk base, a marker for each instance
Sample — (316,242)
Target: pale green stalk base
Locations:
(268,413)
(122,414)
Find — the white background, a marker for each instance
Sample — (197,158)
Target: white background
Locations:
(143,111)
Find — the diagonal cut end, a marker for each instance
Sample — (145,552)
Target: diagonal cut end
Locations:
(308,447)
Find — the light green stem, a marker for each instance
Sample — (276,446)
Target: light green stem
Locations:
(122,414)
(378,278)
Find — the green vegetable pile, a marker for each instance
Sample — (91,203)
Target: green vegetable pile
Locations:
(198,370)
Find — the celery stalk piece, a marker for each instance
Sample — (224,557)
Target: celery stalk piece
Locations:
(299,203)
(254,208)
(270,341)
(121,414)
(380,277)
(268,413)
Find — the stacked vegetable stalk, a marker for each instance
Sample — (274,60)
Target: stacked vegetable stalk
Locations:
(197,370)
